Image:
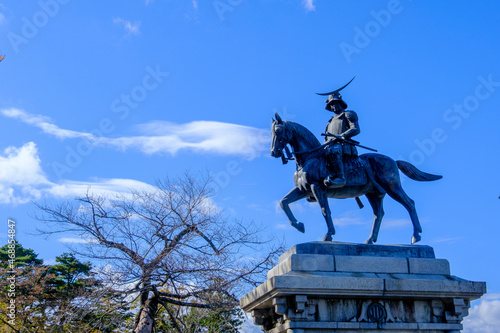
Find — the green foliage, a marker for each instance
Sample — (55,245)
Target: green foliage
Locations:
(23,257)
(69,269)
(211,321)
(65,297)
(169,246)
(215,319)
(71,276)
(198,320)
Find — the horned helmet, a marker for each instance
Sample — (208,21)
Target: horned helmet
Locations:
(334,96)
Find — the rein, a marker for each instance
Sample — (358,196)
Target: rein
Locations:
(287,155)
(311,150)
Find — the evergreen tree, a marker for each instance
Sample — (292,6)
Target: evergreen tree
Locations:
(65,297)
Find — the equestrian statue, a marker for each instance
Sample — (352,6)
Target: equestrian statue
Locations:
(335,170)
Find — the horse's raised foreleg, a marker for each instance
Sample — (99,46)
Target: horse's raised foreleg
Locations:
(322,198)
(292,196)
(398,194)
(376,201)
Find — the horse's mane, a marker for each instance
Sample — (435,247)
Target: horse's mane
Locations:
(300,131)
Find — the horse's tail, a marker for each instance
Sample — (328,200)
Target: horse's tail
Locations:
(413,173)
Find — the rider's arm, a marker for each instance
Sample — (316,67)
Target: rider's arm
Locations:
(352,120)
(327,138)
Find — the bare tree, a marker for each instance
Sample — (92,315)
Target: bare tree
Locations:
(167,245)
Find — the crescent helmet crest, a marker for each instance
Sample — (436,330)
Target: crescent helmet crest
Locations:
(336,96)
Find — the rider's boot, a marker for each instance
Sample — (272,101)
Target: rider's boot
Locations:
(337,179)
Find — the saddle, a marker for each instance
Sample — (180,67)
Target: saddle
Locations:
(354,171)
(357,173)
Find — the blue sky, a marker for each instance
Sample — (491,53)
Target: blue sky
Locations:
(118,94)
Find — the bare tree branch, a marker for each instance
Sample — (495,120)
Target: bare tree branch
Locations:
(169,246)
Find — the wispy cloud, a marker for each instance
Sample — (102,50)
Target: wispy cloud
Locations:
(195,4)
(3,18)
(44,123)
(309,5)
(101,187)
(23,180)
(208,137)
(72,240)
(395,223)
(450,240)
(130,28)
(198,136)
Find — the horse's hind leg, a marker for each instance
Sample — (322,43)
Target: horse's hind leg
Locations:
(376,201)
(322,198)
(398,194)
(292,196)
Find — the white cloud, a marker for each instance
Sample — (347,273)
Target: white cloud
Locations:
(198,136)
(101,187)
(195,4)
(21,177)
(308,5)
(130,28)
(485,317)
(45,124)
(77,240)
(158,137)
(23,180)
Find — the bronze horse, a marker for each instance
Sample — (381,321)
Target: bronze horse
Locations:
(382,177)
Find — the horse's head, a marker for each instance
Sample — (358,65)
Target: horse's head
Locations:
(280,136)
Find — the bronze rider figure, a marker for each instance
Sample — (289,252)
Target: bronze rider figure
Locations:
(343,124)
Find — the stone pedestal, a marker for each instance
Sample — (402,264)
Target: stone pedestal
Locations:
(340,287)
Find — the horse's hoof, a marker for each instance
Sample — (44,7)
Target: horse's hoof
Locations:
(299,226)
(415,239)
(327,238)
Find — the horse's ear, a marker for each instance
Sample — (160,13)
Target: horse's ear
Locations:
(278,118)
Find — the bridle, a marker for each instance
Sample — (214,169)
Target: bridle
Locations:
(286,154)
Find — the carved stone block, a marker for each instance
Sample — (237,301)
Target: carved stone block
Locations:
(339,287)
